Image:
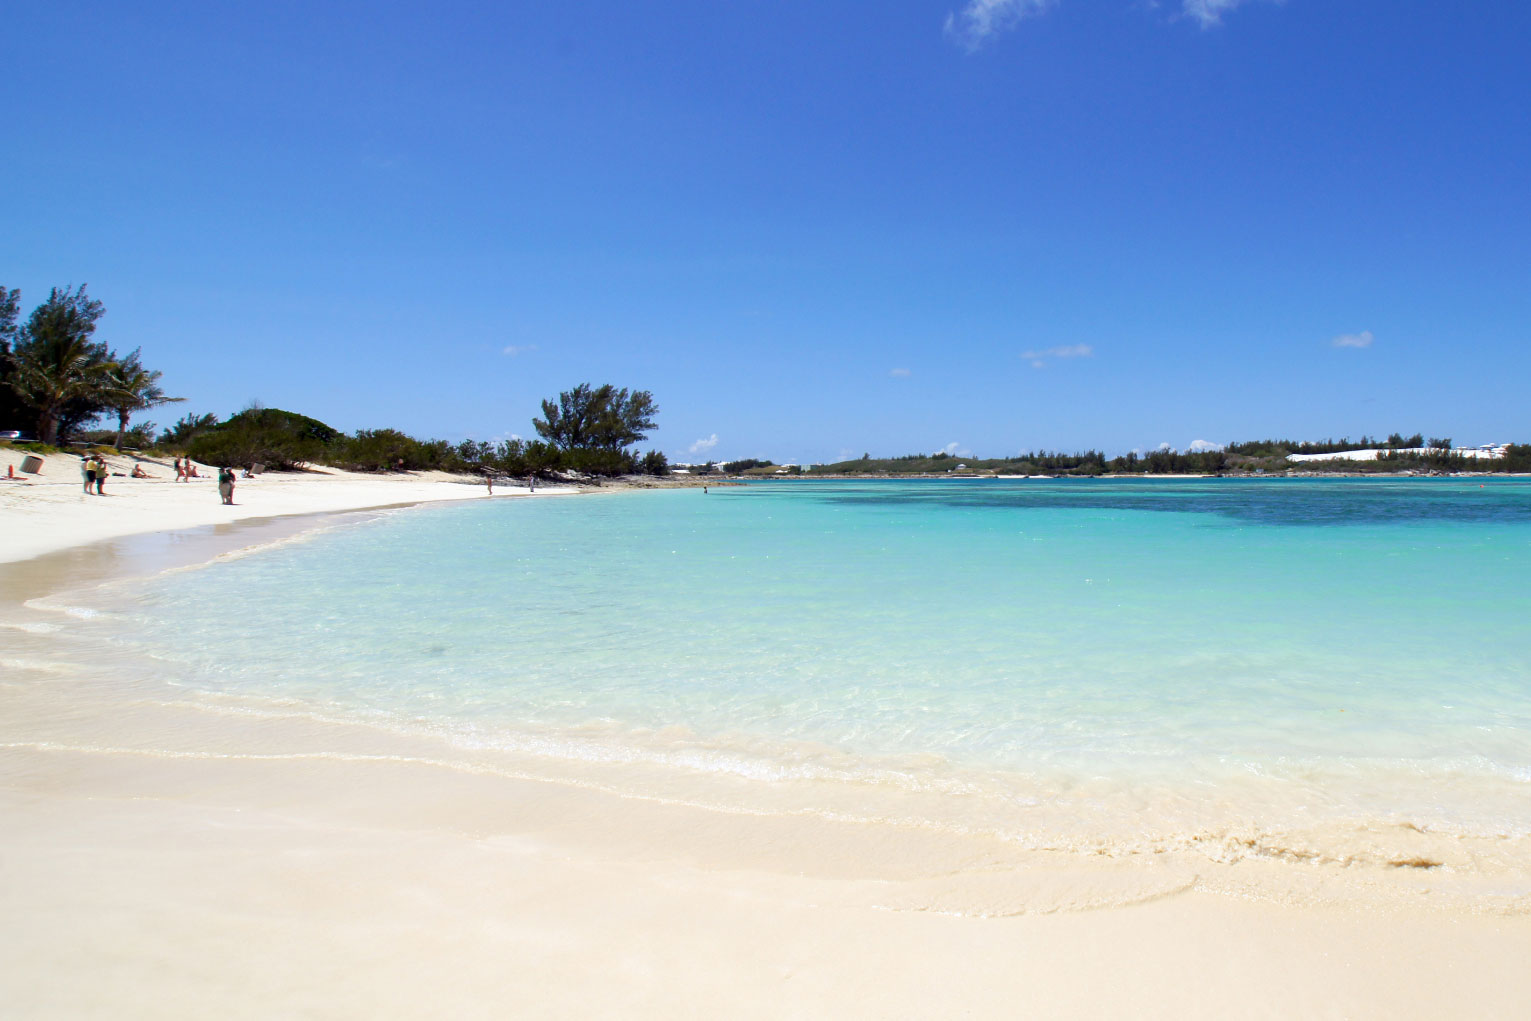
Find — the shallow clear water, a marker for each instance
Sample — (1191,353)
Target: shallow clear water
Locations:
(1361,643)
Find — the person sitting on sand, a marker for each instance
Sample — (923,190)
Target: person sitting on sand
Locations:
(191,471)
(226,485)
(139,473)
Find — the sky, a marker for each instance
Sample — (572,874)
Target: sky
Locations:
(811,230)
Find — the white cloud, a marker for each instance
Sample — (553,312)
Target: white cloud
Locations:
(702,446)
(981,20)
(899,373)
(1208,12)
(1362,339)
(956,449)
(1165,446)
(1203,447)
(519,349)
(1040,358)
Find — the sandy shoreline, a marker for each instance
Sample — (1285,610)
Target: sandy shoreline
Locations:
(161,860)
(49,511)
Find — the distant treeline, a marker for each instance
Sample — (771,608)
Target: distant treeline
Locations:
(1040,462)
(1259,456)
(1281,448)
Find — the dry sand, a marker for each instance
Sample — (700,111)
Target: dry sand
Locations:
(161,861)
(49,511)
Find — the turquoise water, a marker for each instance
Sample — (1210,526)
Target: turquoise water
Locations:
(1363,643)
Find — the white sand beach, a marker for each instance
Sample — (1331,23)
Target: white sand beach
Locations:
(164,861)
(48,511)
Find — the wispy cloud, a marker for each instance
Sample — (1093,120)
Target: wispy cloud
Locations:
(956,449)
(900,373)
(702,446)
(1040,358)
(1362,339)
(1207,13)
(982,20)
(512,350)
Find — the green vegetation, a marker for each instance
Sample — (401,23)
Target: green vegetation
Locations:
(277,439)
(56,375)
(593,426)
(1281,448)
(1402,454)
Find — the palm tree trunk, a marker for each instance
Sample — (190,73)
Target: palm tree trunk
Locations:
(47,426)
(122,427)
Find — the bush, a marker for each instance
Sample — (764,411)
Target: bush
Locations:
(269,436)
(372,450)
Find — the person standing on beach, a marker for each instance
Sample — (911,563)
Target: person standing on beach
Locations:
(98,469)
(226,485)
(489,482)
(180,471)
(87,473)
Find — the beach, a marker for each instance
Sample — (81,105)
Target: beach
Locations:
(49,511)
(180,856)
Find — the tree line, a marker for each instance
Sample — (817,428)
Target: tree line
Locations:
(57,376)
(592,431)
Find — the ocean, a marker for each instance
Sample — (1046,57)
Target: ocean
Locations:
(1326,671)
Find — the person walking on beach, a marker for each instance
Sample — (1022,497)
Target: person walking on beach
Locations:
(180,471)
(489,482)
(226,485)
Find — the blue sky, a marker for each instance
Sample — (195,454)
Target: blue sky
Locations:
(812,230)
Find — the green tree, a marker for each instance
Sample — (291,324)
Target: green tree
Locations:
(597,418)
(591,429)
(131,388)
(12,411)
(56,364)
(185,428)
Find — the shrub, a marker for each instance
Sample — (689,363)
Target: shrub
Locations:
(269,436)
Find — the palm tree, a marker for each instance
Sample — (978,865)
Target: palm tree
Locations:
(55,361)
(129,388)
